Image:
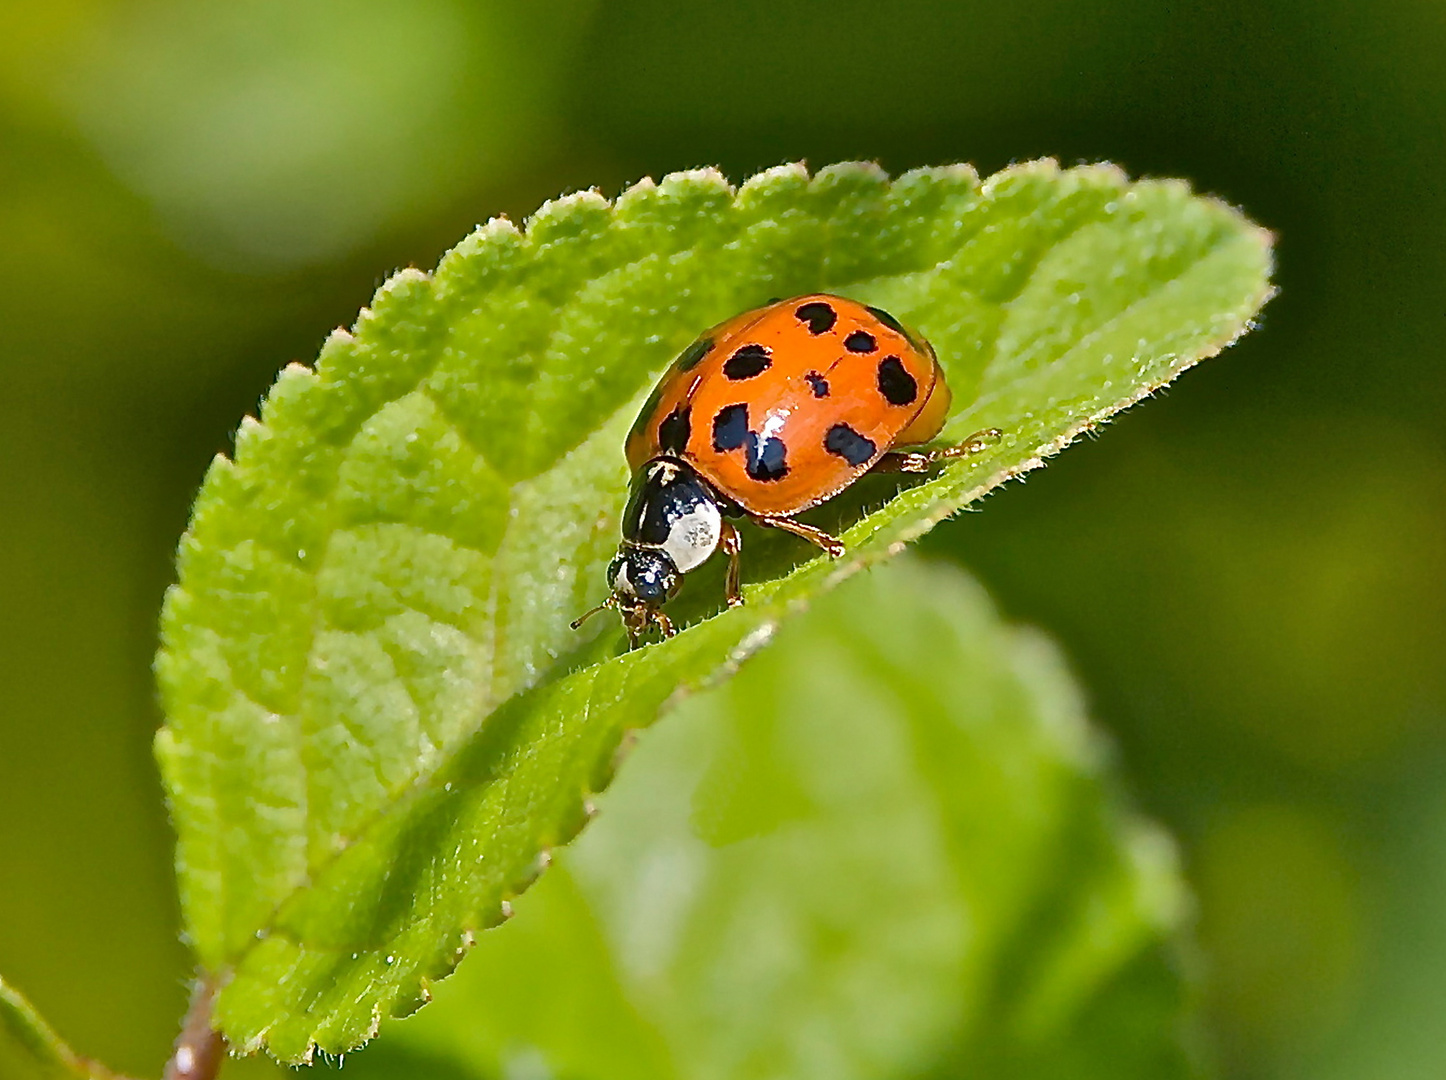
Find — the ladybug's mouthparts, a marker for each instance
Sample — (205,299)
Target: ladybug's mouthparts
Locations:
(637,615)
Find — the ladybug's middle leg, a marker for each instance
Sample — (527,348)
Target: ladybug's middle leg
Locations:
(817,537)
(918,461)
(732,544)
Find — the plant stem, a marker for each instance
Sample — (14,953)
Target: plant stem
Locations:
(199,1048)
(38,1039)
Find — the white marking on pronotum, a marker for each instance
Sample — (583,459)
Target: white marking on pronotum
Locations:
(694,536)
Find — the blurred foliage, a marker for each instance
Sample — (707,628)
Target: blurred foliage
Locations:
(268,135)
(886,849)
(377,721)
(1247,574)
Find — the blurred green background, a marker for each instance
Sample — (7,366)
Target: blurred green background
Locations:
(1249,573)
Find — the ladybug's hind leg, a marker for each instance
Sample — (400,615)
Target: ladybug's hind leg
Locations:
(918,461)
(817,537)
(732,544)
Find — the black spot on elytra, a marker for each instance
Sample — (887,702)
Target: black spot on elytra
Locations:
(673,432)
(843,441)
(693,354)
(767,457)
(748,361)
(896,384)
(818,383)
(888,320)
(860,341)
(730,427)
(819,316)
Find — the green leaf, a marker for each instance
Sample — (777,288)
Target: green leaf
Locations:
(378,721)
(29,1047)
(891,853)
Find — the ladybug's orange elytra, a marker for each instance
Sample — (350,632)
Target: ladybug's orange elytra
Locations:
(765,415)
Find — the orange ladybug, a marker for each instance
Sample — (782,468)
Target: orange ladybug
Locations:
(765,415)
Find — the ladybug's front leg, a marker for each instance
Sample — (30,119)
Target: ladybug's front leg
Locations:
(817,537)
(918,461)
(732,544)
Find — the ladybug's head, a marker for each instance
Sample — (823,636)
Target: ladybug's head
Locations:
(642,579)
(671,525)
(641,575)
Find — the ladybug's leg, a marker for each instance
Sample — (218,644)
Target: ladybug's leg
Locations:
(732,544)
(638,620)
(817,537)
(918,461)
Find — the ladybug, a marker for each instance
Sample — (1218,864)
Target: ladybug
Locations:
(765,415)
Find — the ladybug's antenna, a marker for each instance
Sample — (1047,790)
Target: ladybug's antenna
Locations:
(586,615)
